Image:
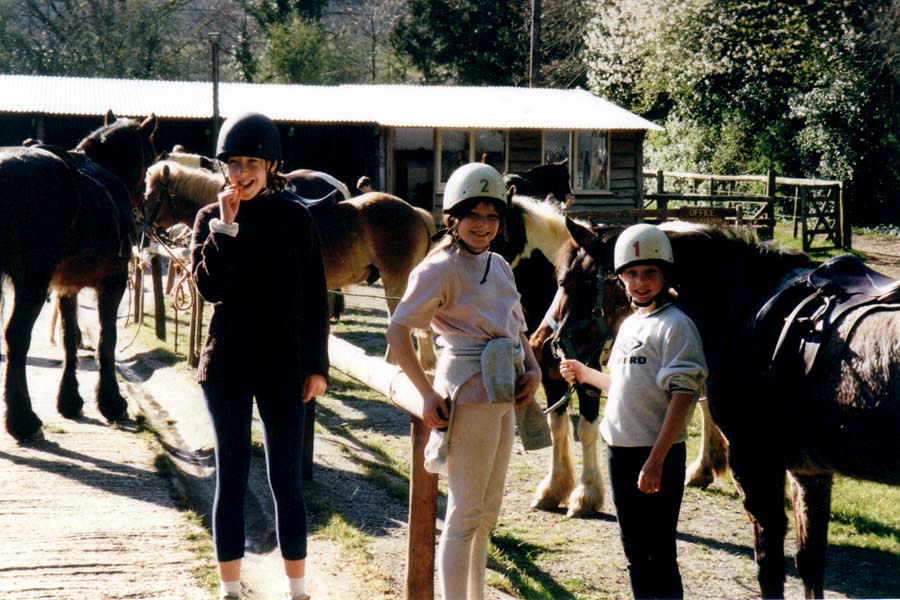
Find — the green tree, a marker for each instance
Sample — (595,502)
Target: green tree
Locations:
(102,38)
(488,41)
(300,51)
(465,41)
(274,12)
(744,86)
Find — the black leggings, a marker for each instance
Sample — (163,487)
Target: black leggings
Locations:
(648,522)
(281,410)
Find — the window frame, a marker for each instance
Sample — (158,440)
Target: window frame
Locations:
(438,149)
(573,165)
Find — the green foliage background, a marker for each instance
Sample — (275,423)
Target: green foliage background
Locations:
(807,89)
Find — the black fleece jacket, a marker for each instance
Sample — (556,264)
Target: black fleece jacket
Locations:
(267,284)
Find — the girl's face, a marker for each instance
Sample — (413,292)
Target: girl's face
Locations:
(478,227)
(248,175)
(642,282)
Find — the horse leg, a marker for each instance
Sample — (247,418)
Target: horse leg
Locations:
(69,402)
(54,318)
(393,290)
(759,476)
(560,481)
(712,461)
(21,422)
(811,496)
(109,400)
(587,498)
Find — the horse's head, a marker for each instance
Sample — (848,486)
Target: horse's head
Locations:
(552,179)
(174,193)
(158,207)
(590,304)
(124,147)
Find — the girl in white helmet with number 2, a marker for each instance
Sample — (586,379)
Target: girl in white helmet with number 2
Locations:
(468,296)
(656,373)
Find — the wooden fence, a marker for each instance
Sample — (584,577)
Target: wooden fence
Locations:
(816,206)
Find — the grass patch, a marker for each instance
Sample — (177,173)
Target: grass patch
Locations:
(516,571)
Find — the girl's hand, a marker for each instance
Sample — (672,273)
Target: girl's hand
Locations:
(430,415)
(571,370)
(229,203)
(650,477)
(527,385)
(314,385)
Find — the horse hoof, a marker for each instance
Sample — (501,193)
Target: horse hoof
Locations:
(585,501)
(73,412)
(113,407)
(699,478)
(28,429)
(544,503)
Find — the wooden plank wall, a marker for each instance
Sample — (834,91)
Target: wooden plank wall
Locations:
(524,149)
(626,187)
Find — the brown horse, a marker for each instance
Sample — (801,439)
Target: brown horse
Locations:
(798,385)
(66,224)
(365,238)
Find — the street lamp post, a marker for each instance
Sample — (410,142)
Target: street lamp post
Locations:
(214,40)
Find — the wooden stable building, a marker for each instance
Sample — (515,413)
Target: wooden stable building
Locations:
(406,138)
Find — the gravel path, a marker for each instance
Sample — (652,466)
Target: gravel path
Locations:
(84,513)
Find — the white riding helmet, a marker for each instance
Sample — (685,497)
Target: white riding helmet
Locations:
(474,180)
(642,243)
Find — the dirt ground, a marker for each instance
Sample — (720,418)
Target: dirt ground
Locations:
(572,558)
(881,253)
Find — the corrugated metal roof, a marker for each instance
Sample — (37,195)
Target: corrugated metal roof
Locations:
(385,105)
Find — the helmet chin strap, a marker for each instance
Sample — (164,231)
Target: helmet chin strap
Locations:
(643,304)
(468,249)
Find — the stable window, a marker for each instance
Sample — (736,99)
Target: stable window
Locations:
(591,161)
(556,146)
(457,147)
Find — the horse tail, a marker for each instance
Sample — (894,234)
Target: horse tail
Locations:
(428,221)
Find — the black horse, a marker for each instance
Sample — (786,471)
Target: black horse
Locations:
(804,378)
(549,179)
(65,224)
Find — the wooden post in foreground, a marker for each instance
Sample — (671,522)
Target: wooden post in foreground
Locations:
(390,380)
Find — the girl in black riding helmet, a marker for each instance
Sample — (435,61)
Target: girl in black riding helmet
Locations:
(255,255)
(656,372)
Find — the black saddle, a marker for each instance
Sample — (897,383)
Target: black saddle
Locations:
(813,303)
(846,275)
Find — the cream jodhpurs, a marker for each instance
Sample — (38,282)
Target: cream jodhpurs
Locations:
(481,442)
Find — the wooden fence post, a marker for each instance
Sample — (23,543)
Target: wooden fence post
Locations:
(804,209)
(770,205)
(137,283)
(846,226)
(661,203)
(159,301)
(392,382)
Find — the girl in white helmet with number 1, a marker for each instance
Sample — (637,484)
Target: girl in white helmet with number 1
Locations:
(656,373)
(468,296)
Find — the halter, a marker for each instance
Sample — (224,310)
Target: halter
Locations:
(564,332)
(562,340)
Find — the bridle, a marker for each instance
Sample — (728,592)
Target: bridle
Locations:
(566,329)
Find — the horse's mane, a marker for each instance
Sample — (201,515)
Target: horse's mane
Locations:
(102,132)
(193,184)
(545,227)
(730,244)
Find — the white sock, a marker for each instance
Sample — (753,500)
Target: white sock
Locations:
(230,587)
(296,587)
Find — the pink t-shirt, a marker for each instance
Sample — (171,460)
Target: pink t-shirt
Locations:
(445,293)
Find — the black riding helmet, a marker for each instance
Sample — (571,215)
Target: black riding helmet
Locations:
(249,134)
